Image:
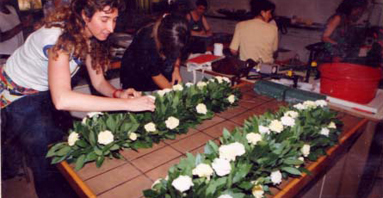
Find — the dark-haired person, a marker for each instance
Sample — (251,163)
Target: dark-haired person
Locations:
(152,60)
(36,82)
(197,22)
(11,28)
(256,38)
(342,37)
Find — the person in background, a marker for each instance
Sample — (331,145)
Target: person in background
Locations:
(200,30)
(11,28)
(342,37)
(153,59)
(36,84)
(256,38)
(197,22)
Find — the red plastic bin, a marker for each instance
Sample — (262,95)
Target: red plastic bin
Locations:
(350,82)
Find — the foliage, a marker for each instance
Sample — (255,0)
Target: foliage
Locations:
(104,135)
(269,155)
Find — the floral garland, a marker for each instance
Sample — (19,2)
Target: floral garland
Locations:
(101,135)
(255,157)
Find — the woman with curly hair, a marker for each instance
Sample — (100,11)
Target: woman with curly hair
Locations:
(36,82)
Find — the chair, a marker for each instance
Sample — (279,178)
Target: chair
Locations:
(314,49)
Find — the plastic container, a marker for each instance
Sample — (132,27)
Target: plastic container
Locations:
(350,82)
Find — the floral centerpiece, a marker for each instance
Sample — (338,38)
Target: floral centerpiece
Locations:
(100,135)
(255,157)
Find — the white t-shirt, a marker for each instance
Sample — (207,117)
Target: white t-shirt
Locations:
(255,39)
(7,22)
(28,65)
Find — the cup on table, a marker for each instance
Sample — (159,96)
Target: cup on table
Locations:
(218,49)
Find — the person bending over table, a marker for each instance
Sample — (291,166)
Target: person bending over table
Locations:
(256,38)
(153,59)
(36,82)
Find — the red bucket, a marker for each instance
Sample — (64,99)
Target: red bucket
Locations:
(350,82)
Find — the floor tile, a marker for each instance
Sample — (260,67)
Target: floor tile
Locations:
(239,119)
(216,131)
(112,178)
(162,171)
(201,149)
(90,170)
(231,112)
(182,136)
(131,189)
(192,142)
(208,123)
(131,154)
(251,103)
(156,158)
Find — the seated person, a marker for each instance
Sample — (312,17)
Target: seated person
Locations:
(256,38)
(152,60)
(199,28)
(341,35)
(197,21)
(11,29)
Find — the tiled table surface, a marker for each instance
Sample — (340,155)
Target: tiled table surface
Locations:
(127,179)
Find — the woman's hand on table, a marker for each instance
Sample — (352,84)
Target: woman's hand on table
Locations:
(141,103)
(130,93)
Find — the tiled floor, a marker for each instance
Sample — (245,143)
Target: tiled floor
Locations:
(142,168)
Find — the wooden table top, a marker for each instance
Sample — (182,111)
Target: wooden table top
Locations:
(128,178)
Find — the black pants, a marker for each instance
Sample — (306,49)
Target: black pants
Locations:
(32,123)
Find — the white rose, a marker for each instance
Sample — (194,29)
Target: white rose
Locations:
(83,122)
(257,191)
(301,159)
(231,151)
(300,106)
(332,125)
(305,150)
(219,79)
(309,104)
(156,182)
(263,129)
(221,166)
(150,127)
(189,84)
(211,80)
(182,183)
(161,93)
(226,79)
(178,87)
(203,170)
(231,99)
(276,177)
(225,196)
(201,84)
(105,137)
(321,103)
(288,121)
(276,126)
(72,139)
(201,108)
(292,114)
(172,123)
(325,131)
(133,136)
(94,114)
(253,138)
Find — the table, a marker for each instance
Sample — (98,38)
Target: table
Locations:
(127,178)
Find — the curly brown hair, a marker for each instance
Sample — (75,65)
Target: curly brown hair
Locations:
(73,40)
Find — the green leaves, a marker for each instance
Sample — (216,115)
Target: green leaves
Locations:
(274,153)
(179,104)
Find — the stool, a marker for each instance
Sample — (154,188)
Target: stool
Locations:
(314,49)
